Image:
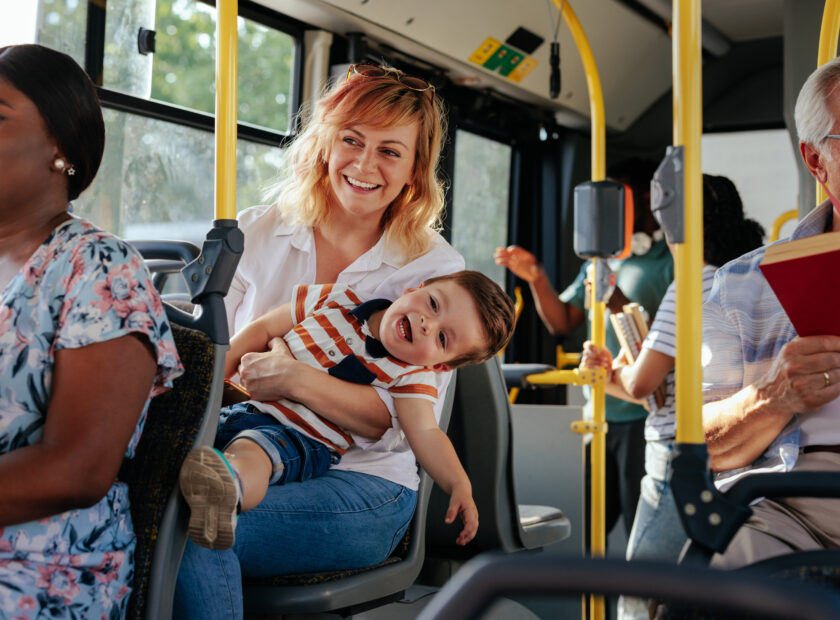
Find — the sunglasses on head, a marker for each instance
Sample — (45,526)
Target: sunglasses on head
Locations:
(374,71)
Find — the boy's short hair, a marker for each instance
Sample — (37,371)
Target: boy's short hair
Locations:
(495,308)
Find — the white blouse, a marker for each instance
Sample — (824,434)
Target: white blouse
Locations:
(279,255)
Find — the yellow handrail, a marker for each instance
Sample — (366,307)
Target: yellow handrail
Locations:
(226,37)
(518,303)
(780,221)
(828,50)
(687,75)
(598,446)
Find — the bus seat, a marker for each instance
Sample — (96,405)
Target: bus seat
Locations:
(481,432)
(346,591)
(177,421)
(492,575)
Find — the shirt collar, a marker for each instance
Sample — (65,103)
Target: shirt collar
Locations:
(300,235)
(383,251)
(817,221)
(362,312)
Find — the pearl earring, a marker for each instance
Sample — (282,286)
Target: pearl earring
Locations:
(61,166)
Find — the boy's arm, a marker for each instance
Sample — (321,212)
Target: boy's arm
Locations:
(254,337)
(437,457)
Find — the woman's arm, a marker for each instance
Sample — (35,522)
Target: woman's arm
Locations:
(559,317)
(98,393)
(648,372)
(277,374)
(255,336)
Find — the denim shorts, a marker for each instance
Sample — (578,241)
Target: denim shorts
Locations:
(294,455)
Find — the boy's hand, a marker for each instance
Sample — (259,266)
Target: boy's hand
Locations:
(461,503)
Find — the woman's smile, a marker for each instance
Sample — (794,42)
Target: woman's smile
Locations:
(370,165)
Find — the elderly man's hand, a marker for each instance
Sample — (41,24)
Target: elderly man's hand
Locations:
(269,375)
(805,375)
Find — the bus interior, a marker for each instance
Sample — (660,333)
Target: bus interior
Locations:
(520,138)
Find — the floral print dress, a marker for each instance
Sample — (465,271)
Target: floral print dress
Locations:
(82,286)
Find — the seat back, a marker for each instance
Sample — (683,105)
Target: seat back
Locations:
(176,422)
(357,588)
(481,432)
(181,418)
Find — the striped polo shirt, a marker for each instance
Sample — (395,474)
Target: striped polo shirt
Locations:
(330,333)
(661,423)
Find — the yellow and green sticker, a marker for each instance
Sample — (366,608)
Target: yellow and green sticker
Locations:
(498,57)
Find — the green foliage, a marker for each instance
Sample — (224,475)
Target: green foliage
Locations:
(184,64)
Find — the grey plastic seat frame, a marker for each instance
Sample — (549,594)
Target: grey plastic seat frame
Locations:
(362,590)
(490,576)
(481,431)
(165,258)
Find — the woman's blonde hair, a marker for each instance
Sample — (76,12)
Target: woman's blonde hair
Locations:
(383,101)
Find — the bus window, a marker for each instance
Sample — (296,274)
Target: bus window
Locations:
(183,69)
(156,179)
(156,175)
(762,164)
(480,201)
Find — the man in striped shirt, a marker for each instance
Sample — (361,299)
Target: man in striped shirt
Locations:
(446,322)
(772,397)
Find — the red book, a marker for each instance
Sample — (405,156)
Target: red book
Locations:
(805,276)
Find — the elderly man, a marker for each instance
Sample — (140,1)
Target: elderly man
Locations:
(772,397)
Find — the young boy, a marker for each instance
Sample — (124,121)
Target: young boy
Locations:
(448,321)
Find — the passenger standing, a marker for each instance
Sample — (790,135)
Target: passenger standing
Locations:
(657,532)
(643,277)
(359,208)
(84,345)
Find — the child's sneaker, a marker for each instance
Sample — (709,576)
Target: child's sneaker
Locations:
(212,489)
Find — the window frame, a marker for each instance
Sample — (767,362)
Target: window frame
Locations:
(159,110)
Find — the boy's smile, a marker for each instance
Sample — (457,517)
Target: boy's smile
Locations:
(430,325)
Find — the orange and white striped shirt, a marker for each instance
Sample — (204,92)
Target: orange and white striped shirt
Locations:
(330,333)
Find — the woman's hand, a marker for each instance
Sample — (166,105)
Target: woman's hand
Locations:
(269,375)
(596,357)
(275,374)
(461,503)
(520,261)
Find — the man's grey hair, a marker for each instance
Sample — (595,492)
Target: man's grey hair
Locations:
(812,115)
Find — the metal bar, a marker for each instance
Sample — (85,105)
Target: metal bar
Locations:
(490,576)
(687,75)
(828,50)
(226,38)
(597,334)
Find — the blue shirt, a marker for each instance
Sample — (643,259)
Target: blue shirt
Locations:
(744,329)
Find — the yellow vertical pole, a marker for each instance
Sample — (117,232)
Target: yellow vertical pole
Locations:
(598,308)
(829,30)
(687,70)
(226,37)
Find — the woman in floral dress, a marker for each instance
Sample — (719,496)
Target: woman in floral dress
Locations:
(84,345)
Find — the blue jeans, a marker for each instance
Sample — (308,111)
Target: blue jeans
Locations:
(293,455)
(657,533)
(341,520)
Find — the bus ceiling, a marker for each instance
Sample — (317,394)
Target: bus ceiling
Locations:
(743,45)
